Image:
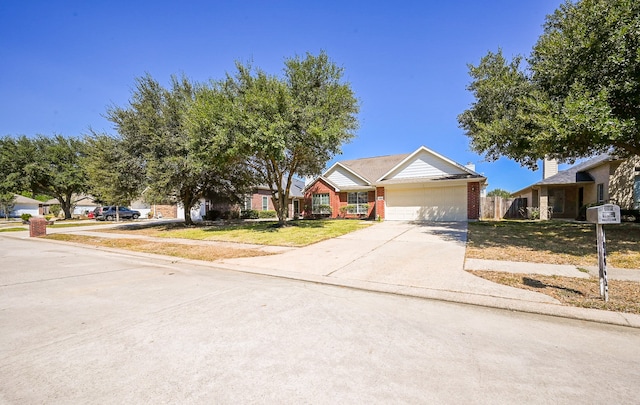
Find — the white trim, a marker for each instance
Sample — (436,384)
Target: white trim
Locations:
(347,169)
(425,149)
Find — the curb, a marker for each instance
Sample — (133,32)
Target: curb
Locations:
(458,297)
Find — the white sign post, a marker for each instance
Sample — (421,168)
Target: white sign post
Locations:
(600,215)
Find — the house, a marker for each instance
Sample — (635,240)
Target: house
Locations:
(259,200)
(603,178)
(82,204)
(422,185)
(24,205)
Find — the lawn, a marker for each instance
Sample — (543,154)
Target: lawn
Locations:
(624,296)
(555,242)
(296,233)
(13,229)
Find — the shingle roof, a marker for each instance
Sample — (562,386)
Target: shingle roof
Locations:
(374,167)
(575,173)
(20,199)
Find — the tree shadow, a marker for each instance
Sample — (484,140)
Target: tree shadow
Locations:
(539,284)
(449,231)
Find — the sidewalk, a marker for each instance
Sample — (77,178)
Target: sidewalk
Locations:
(418,260)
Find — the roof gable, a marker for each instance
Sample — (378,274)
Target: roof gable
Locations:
(425,163)
(343,176)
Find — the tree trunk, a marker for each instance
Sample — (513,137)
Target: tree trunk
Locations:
(187,202)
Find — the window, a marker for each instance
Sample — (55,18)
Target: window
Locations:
(320,204)
(556,201)
(247,202)
(265,203)
(600,192)
(357,203)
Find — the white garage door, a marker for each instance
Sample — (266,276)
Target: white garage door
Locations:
(426,204)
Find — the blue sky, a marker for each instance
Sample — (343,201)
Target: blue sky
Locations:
(64,62)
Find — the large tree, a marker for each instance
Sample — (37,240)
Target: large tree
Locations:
(44,165)
(577,94)
(284,126)
(152,130)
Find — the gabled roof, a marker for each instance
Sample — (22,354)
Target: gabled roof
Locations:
(574,174)
(466,171)
(297,186)
(371,169)
(577,173)
(375,170)
(20,199)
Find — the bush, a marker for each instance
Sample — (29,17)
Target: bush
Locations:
(249,214)
(267,214)
(25,217)
(55,209)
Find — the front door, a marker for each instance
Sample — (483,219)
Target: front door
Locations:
(296,208)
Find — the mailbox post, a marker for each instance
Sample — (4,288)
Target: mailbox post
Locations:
(600,215)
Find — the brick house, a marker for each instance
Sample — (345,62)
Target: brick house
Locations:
(422,185)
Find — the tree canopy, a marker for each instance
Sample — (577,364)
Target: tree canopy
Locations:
(282,126)
(153,131)
(577,94)
(44,165)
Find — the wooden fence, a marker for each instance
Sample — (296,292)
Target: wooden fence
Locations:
(499,208)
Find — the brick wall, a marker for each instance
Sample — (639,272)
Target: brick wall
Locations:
(380,203)
(473,200)
(320,187)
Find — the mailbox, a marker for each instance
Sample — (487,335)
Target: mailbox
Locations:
(604,214)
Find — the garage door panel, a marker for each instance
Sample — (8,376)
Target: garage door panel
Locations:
(427,204)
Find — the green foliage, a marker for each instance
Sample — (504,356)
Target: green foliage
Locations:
(498,192)
(7,202)
(267,214)
(55,209)
(25,217)
(249,214)
(154,133)
(578,95)
(282,126)
(49,166)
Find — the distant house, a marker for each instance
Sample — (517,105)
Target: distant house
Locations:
(422,185)
(604,178)
(24,205)
(81,203)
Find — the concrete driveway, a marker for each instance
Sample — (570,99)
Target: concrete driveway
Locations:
(409,254)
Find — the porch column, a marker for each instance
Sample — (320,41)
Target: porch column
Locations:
(544,203)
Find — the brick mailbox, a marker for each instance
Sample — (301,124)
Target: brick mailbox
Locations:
(37,227)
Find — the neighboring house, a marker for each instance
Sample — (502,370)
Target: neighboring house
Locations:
(24,205)
(82,204)
(422,185)
(260,199)
(604,178)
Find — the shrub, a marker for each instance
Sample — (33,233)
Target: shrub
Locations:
(267,214)
(249,214)
(25,217)
(55,209)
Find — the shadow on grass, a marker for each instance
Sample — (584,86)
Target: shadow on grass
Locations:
(539,284)
(560,237)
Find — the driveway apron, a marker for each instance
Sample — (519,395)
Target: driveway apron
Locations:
(413,254)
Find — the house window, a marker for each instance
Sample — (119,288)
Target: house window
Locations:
(556,201)
(247,202)
(320,204)
(265,203)
(357,203)
(636,193)
(600,192)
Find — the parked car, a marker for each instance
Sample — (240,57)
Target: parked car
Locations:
(108,213)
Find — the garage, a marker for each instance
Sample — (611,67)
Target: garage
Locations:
(426,203)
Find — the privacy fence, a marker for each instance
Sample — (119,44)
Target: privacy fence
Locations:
(502,208)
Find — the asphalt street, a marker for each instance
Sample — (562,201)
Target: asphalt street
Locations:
(80,325)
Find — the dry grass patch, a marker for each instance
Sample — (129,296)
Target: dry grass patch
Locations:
(624,296)
(554,242)
(196,252)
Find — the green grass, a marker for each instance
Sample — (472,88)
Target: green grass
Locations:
(295,233)
(75,224)
(556,242)
(15,229)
